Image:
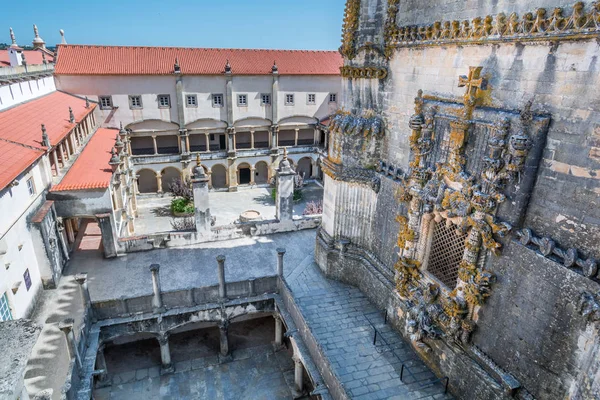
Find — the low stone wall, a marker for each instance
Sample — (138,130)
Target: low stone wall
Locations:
(183,298)
(219,233)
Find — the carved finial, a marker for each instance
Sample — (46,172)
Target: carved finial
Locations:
(71,115)
(87,102)
(45,138)
(177,68)
(35,31)
(114,159)
(62,37)
(12,38)
(198,160)
(23,60)
(118,142)
(38,42)
(227,67)
(526,114)
(274,68)
(419,102)
(44,61)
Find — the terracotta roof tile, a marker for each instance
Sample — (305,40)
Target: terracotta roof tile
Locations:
(14,159)
(91,169)
(22,123)
(31,56)
(123,60)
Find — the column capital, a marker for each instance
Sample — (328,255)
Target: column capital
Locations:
(163,338)
(66,325)
(81,278)
(221,258)
(224,324)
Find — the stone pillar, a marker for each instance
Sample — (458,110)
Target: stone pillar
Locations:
(69,229)
(222,287)
(251,139)
(154,144)
(101,364)
(280,253)
(317,134)
(232,179)
(285,190)
(109,238)
(274,137)
(298,375)
(252,173)
(165,354)
(157,304)
(207,137)
(278,344)
(315,169)
(159,182)
(72,140)
(230,141)
(55,159)
(81,279)
(183,143)
(223,339)
(210,185)
(66,326)
(296,132)
(201,203)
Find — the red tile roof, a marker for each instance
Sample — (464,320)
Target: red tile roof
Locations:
(122,60)
(22,123)
(14,159)
(91,169)
(31,56)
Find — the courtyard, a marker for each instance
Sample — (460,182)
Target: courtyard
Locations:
(155,214)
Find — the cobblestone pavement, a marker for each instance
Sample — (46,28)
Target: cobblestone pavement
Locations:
(254,373)
(342,321)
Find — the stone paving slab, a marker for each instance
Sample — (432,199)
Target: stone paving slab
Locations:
(343,322)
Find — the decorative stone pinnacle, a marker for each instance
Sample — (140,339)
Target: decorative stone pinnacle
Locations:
(114,159)
(71,115)
(198,161)
(23,60)
(12,37)
(227,67)
(45,139)
(274,68)
(44,61)
(87,102)
(62,35)
(118,142)
(285,156)
(35,31)
(177,68)
(122,130)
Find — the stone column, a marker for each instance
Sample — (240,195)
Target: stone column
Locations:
(69,229)
(201,204)
(232,179)
(157,303)
(317,134)
(81,279)
(207,137)
(252,173)
(159,182)
(251,139)
(298,375)
(101,364)
(280,253)
(66,326)
(210,184)
(230,141)
(72,140)
(315,169)
(222,287)
(296,132)
(183,144)
(223,339)
(274,135)
(285,190)
(55,159)
(109,238)
(278,344)
(165,354)
(154,144)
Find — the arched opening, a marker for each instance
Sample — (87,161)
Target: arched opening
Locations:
(261,173)
(305,167)
(147,181)
(219,176)
(244,174)
(169,175)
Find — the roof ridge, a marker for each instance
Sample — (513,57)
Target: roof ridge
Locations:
(195,48)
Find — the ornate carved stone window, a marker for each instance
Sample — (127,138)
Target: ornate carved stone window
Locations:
(446,246)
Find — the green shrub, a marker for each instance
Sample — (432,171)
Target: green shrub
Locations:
(297,194)
(182,205)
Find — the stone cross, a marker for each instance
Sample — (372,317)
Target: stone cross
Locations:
(473,82)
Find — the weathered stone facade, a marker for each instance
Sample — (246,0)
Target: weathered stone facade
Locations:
(473,128)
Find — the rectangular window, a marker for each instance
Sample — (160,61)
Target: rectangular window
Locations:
(191,100)
(289,99)
(242,100)
(217,100)
(5,314)
(265,99)
(135,102)
(311,98)
(27,279)
(164,101)
(105,102)
(333,98)
(31,186)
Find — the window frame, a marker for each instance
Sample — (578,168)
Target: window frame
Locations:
(262,98)
(289,103)
(5,307)
(215,96)
(245,97)
(101,102)
(136,96)
(30,182)
(166,96)
(334,95)
(187,100)
(314,101)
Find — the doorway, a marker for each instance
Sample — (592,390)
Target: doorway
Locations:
(244,176)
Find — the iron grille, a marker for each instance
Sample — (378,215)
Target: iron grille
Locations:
(447,248)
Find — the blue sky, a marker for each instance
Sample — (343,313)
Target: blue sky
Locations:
(279,24)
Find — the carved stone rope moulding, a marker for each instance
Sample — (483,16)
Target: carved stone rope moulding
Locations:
(364,72)
(538,25)
(350,28)
(448,191)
